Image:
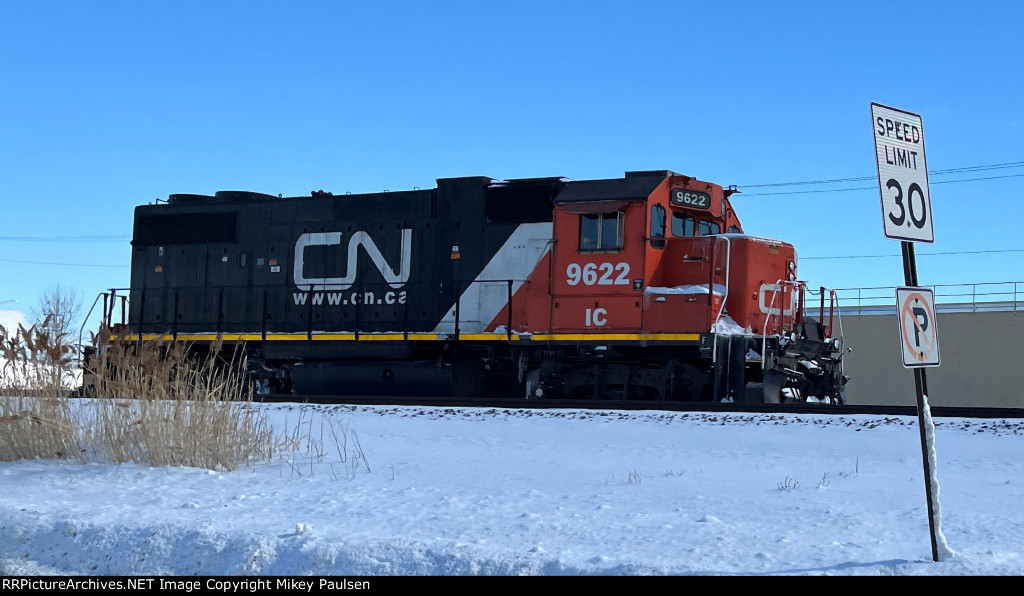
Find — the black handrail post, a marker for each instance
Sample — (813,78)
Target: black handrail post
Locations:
(359,307)
(142,313)
(220,312)
(263,325)
(821,311)
(405,321)
(309,313)
(174,323)
(458,299)
(508,327)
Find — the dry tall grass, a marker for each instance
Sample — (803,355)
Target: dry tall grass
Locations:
(34,361)
(35,418)
(149,402)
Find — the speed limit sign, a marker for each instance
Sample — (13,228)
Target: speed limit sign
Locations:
(902,174)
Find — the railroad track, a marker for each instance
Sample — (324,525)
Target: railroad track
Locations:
(667,406)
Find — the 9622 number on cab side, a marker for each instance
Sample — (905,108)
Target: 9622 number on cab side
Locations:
(601,274)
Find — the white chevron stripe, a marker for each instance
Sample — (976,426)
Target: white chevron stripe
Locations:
(488,294)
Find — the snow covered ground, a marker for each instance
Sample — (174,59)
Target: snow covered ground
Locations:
(420,491)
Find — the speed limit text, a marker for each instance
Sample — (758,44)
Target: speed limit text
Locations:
(900,131)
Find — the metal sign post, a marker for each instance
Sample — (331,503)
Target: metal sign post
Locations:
(907,216)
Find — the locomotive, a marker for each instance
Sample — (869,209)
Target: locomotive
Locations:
(637,288)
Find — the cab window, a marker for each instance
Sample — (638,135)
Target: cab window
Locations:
(601,231)
(658,218)
(707,228)
(683,225)
(657,221)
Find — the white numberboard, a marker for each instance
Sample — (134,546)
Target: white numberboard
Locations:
(919,338)
(902,174)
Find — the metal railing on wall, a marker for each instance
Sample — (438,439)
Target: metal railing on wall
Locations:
(972,297)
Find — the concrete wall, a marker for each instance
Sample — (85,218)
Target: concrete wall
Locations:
(979,361)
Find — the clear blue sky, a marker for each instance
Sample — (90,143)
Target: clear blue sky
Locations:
(108,105)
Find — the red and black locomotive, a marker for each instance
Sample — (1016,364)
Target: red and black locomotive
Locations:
(641,287)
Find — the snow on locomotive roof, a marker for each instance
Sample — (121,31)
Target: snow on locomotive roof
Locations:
(496,182)
(761,239)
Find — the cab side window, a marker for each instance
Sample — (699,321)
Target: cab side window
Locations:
(708,228)
(683,225)
(657,226)
(601,231)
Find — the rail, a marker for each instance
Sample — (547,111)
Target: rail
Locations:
(972,297)
(518,403)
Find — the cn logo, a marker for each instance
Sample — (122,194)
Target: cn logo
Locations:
(396,278)
(771,297)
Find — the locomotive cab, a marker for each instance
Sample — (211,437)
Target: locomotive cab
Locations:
(662,257)
(665,254)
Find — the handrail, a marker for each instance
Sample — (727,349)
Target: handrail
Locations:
(314,301)
(1005,295)
(85,321)
(711,292)
(842,338)
(771,306)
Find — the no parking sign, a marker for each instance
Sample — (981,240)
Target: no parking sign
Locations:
(919,338)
